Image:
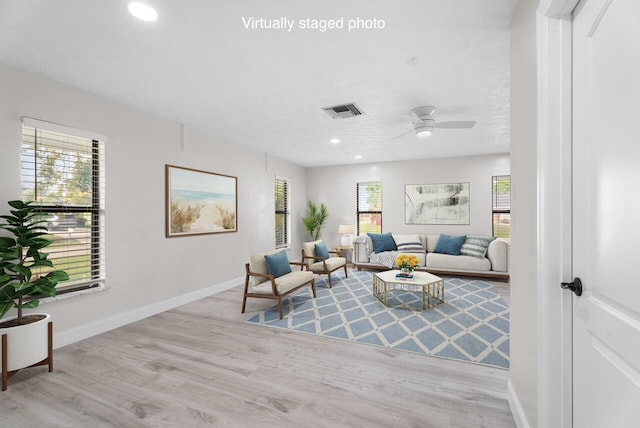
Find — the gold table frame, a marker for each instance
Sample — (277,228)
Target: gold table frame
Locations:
(386,283)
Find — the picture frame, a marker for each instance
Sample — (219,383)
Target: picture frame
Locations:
(445,203)
(199,202)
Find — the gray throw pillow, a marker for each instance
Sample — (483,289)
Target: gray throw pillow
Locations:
(476,246)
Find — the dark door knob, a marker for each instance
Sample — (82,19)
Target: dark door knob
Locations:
(575,286)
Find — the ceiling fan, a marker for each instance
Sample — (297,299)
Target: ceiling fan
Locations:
(424,121)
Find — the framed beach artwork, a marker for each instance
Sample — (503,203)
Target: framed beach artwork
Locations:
(437,203)
(199,202)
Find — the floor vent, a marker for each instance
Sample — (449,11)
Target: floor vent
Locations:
(343,111)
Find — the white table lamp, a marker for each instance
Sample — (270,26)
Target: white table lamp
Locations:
(346,230)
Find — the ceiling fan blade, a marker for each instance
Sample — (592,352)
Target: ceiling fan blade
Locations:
(403,134)
(456,124)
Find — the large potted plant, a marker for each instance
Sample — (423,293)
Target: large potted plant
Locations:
(25,275)
(315,218)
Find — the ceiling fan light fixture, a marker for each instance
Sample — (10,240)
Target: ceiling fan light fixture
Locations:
(424,127)
(424,121)
(423,131)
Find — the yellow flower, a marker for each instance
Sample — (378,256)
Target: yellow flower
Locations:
(407,261)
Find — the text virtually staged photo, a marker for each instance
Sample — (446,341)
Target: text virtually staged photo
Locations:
(323,214)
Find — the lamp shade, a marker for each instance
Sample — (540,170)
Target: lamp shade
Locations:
(346,229)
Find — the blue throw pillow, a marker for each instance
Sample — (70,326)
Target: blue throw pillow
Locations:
(322,251)
(278,264)
(382,242)
(450,244)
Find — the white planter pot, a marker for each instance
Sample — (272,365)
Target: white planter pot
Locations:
(26,344)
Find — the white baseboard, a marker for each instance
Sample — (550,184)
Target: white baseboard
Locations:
(516,407)
(73,335)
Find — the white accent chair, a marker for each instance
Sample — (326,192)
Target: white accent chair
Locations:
(320,265)
(259,283)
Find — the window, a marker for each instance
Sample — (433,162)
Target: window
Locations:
(282,212)
(369,208)
(63,171)
(502,206)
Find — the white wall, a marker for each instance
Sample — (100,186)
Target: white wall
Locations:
(336,186)
(143,267)
(524,330)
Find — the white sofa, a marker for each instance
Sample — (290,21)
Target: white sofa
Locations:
(494,265)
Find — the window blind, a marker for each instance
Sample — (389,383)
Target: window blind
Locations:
(368,207)
(501,201)
(63,172)
(502,193)
(282,212)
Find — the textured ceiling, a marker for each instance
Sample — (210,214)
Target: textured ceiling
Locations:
(264,88)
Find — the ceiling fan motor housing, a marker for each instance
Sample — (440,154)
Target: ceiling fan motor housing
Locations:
(423,112)
(424,127)
(424,122)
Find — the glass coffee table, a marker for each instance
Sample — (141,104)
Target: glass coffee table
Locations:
(423,291)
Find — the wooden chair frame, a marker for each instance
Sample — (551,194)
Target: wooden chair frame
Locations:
(274,289)
(326,270)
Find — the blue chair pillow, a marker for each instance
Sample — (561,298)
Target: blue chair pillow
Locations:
(382,242)
(450,244)
(278,264)
(321,250)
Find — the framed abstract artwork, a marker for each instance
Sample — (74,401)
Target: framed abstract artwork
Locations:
(437,203)
(199,202)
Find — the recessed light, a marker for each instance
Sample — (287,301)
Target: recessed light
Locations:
(334,140)
(143,11)
(358,157)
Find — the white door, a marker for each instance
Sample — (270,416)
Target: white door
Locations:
(606,213)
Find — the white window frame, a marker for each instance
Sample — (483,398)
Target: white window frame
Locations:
(498,207)
(96,209)
(285,211)
(359,212)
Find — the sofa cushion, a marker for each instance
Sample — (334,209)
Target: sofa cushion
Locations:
(285,282)
(309,250)
(258,264)
(408,243)
(450,244)
(432,241)
(322,251)
(332,264)
(449,262)
(382,242)
(278,264)
(476,246)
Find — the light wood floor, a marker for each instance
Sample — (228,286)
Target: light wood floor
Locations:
(202,365)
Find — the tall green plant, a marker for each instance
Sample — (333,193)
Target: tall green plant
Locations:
(315,219)
(22,263)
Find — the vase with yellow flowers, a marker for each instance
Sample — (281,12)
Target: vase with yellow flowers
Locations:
(407,262)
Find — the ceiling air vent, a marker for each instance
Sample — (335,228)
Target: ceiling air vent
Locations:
(343,111)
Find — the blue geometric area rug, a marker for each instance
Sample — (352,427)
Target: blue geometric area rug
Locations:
(472,326)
